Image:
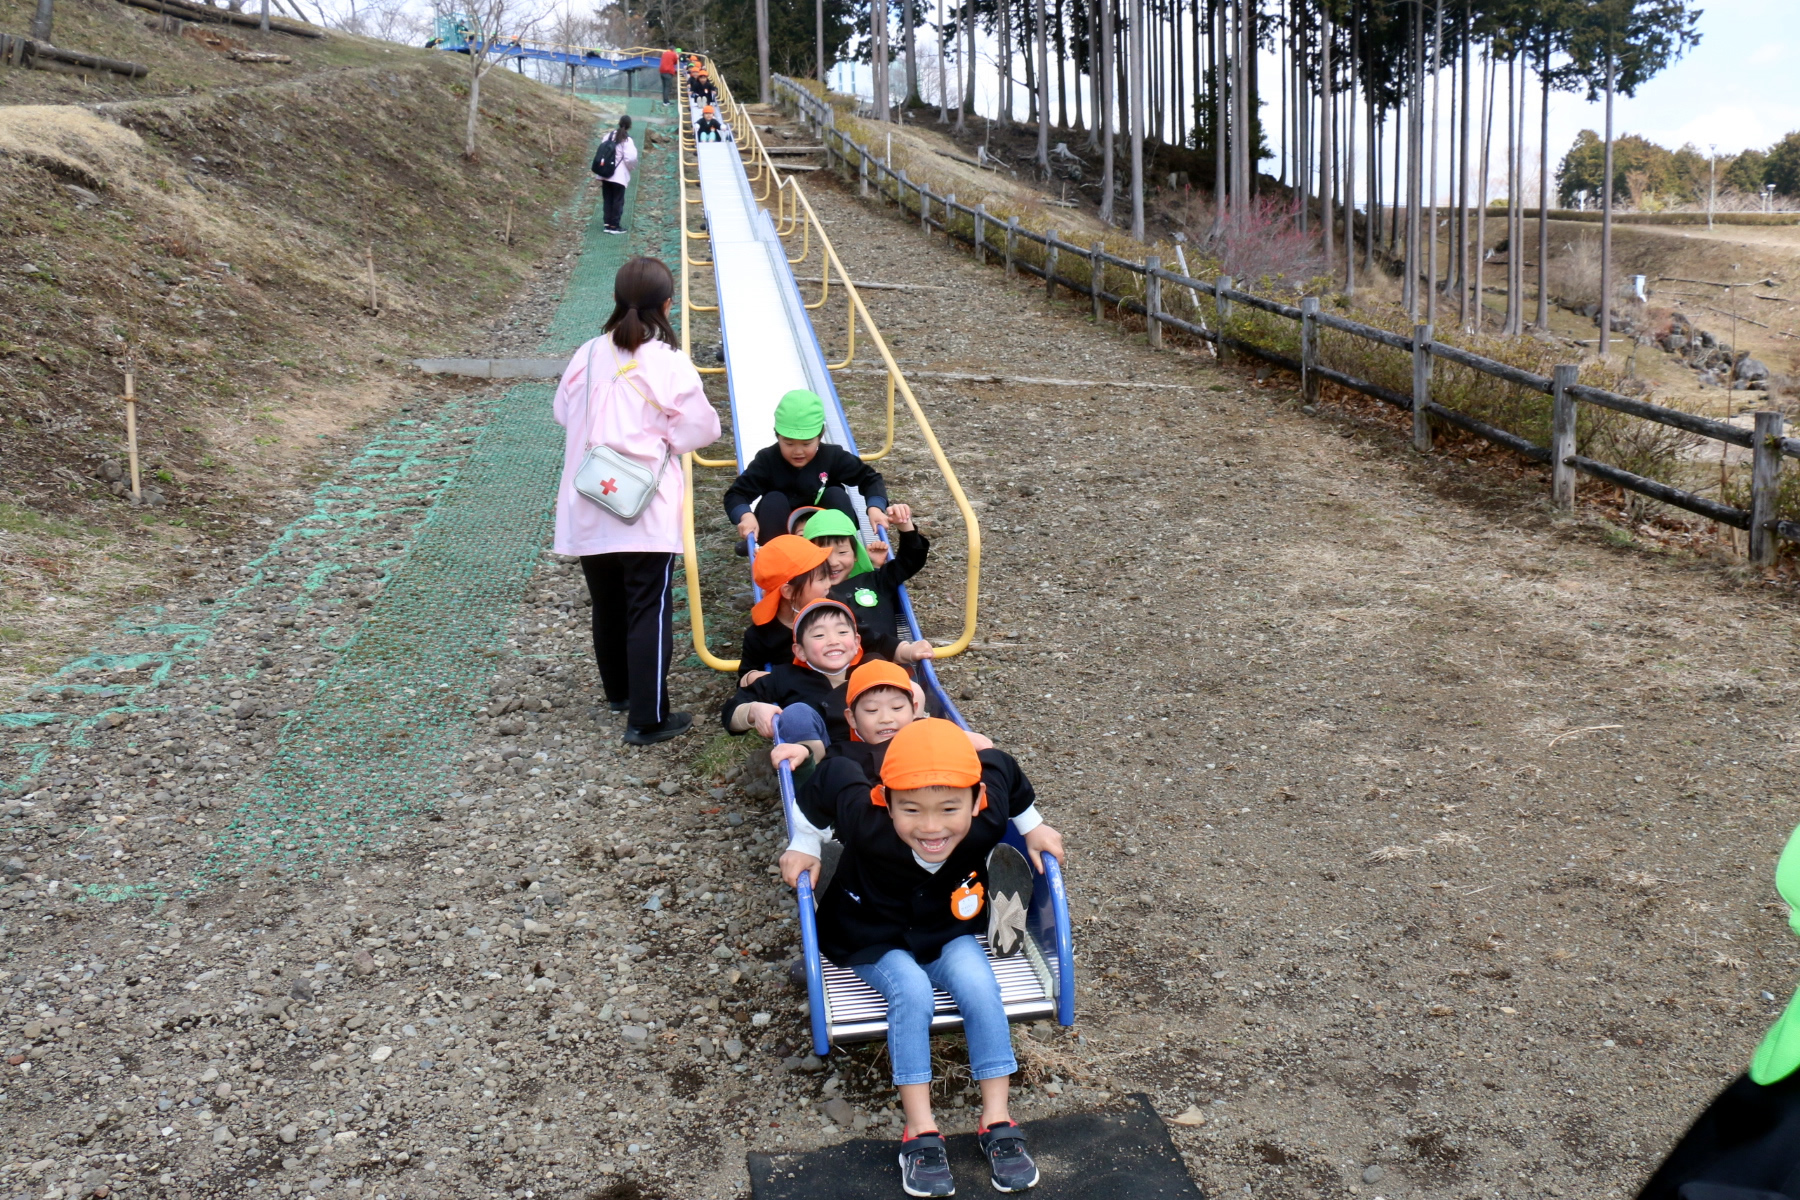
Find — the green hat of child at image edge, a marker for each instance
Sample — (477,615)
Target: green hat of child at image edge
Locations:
(800,415)
(829,522)
(1779,1053)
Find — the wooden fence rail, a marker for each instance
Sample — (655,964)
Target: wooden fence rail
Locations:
(943,213)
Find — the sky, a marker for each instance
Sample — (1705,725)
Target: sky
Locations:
(1735,89)
(1732,91)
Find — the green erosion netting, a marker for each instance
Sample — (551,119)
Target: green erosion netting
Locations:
(455,511)
(381,739)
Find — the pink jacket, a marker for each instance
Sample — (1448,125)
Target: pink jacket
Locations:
(624,158)
(617,415)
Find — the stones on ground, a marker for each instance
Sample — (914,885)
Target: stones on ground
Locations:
(381,1054)
(1374,1173)
(634,1035)
(839,1110)
(1191,1115)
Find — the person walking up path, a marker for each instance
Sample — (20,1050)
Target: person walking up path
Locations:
(635,393)
(613,161)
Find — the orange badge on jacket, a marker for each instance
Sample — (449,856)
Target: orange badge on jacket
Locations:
(966,900)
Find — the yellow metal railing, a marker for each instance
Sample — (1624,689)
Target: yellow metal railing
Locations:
(793,210)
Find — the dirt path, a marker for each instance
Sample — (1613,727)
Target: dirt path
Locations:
(1291,693)
(1416,828)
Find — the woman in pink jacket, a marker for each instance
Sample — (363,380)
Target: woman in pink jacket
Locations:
(631,389)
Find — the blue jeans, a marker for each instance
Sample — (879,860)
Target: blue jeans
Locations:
(963,971)
(801,723)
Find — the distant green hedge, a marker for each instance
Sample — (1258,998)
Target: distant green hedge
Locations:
(1663,218)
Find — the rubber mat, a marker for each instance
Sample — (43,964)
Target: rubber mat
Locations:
(1117,1154)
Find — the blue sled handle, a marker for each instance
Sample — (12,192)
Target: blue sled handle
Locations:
(809,927)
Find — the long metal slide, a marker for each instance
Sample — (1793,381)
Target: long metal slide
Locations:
(770,348)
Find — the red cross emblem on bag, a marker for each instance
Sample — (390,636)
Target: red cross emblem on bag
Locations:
(608,486)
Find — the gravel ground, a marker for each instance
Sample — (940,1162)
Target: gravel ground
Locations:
(1421,841)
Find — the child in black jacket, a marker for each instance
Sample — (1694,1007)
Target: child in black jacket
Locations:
(901,911)
(802,701)
(872,592)
(800,470)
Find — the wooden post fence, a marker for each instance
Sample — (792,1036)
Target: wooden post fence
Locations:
(1421,389)
(1562,436)
(1153,302)
(1309,349)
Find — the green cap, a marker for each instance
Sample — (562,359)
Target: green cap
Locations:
(1779,1053)
(800,415)
(829,522)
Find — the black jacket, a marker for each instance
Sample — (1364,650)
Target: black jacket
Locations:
(772,643)
(880,898)
(832,466)
(788,684)
(874,596)
(708,130)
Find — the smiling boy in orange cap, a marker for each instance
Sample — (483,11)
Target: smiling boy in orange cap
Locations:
(880,699)
(922,851)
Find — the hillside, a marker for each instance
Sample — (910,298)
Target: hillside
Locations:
(213,227)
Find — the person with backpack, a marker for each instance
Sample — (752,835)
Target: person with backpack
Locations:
(632,404)
(613,161)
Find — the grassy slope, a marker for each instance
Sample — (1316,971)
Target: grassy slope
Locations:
(209,224)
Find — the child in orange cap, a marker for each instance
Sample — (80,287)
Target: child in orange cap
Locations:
(880,699)
(793,573)
(707,128)
(901,911)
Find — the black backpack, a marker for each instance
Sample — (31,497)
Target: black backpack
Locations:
(607,156)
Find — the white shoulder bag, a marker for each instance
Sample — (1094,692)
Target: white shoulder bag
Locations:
(611,478)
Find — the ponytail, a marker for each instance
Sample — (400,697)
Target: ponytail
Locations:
(640,289)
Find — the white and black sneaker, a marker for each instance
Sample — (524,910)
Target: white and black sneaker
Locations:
(1009,1166)
(1009,900)
(925,1166)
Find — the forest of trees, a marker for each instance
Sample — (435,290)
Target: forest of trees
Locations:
(1652,177)
(1405,108)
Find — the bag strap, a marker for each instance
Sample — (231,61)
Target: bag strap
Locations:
(622,373)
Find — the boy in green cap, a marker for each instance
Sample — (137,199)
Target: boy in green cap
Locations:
(871,592)
(1746,1145)
(799,469)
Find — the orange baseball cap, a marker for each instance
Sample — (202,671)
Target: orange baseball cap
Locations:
(877,673)
(707,111)
(930,753)
(780,561)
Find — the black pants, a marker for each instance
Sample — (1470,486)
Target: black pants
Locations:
(634,629)
(774,509)
(612,198)
(668,89)
(1745,1146)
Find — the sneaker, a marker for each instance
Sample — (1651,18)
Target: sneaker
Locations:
(925,1166)
(619,705)
(1009,900)
(673,726)
(1009,1166)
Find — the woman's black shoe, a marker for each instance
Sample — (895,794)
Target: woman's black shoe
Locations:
(673,726)
(619,705)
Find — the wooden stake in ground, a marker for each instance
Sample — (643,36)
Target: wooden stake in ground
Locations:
(374,295)
(137,492)
(509,208)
